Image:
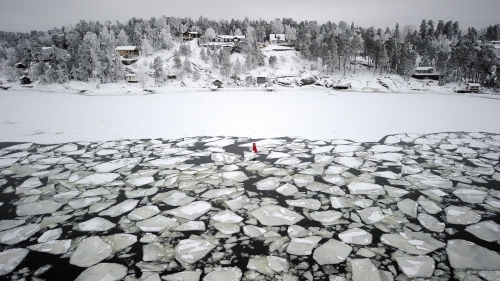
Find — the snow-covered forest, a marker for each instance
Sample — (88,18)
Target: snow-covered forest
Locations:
(87,49)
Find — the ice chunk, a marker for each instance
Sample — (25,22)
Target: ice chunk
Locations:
(365,188)
(167,161)
(277,264)
(98,179)
(332,252)
(10,259)
(429,206)
(298,231)
(157,224)
(141,192)
(140,181)
(18,234)
(302,180)
(270,183)
(225,273)
(95,224)
(467,255)
(334,179)
(356,236)
(116,164)
(302,246)
(336,169)
(6,162)
(490,275)
(191,226)
(472,196)
(101,191)
(430,222)
(177,198)
(259,264)
(184,276)
(364,270)
(288,161)
(326,217)
(312,204)
(485,230)
(408,207)
(415,243)
(253,231)
(385,148)
(371,215)
(416,266)
(393,157)
(351,162)
(341,202)
(121,208)
(38,208)
(103,272)
(120,241)
(219,192)
(460,215)
(90,251)
(192,210)
(84,202)
(143,213)
(28,184)
(237,176)
(237,203)
(8,224)
(227,216)
(192,250)
(428,180)
(322,149)
(56,247)
(273,215)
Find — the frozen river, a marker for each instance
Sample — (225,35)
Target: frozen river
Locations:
(44,117)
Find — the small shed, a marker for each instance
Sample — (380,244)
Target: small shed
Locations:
(171,76)
(217,83)
(131,78)
(261,79)
(473,87)
(25,80)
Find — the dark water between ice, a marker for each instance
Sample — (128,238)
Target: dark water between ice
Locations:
(62,270)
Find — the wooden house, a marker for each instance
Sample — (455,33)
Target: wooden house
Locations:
(25,80)
(425,72)
(171,76)
(473,87)
(261,79)
(131,78)
(190,35)
(229,38)
(128,51)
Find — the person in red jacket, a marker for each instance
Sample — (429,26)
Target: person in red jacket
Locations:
(254,148)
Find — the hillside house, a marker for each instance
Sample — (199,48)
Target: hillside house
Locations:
(229,38)
(425,72)
(190,35)
(131,78)
(128,54)
(277,38)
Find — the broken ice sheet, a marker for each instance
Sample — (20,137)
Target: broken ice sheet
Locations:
(55,247)
(273,215)
(192,210)
(90,251)
(103,272)
(94,225)
(485,230)
(356,236)
(18,234)
(464,254)
(415,243)
(460,215)
(416,266)
(302,246)
(331,252)
(312,204)
(191,250)
(10,259)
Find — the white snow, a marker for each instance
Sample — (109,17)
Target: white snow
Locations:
(307,112)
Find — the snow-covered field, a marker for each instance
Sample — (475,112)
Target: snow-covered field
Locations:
(309,112)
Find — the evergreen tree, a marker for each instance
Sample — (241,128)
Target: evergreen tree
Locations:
(159,74)
(146,47)
(186,65)
(383,59)
(122,38)
(177,60)
(273,61)
(237,67)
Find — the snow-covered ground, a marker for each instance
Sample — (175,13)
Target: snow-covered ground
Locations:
(308,112)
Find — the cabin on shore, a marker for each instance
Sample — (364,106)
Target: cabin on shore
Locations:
(128,51)
(190,35)
(425,72)
(473,87)
(25,80)
(171,76)
(229,38)
(131,78)
(262,79)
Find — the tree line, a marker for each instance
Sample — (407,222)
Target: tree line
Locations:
(87,49)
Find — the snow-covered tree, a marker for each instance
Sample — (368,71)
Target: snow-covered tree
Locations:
(159,74)
(177,60)
(273,61)
(146,47)
(186,66)
(277,27)
(196,75)
(209,34)
(122,38)
(168,41)
(237,67)
(290,33)
(238,32)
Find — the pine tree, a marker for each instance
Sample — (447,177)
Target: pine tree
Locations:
(186,65)
(383,59)
(177,60)
(273,61)
(356,47)
(122,38)
(196,75)
(158,69)
(237,67)
(146,47)
(203,54)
